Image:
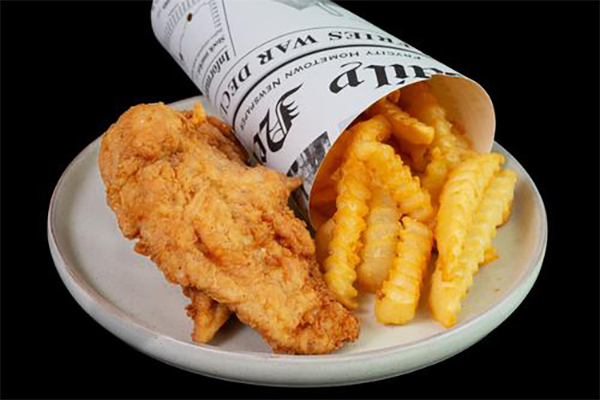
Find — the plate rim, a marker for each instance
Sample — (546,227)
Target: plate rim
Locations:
(78,283)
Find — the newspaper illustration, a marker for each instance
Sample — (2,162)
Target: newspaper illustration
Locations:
(290,75)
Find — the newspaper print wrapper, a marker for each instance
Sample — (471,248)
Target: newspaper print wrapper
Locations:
(290,75)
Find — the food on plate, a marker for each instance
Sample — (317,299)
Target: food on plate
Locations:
(404,126)
(209,222)
(349,221)
(459,200)
(454,275)
(424,195)
(322,238)
(490,255)
(448,147)
(388,168)
(379,240)
(207,314)
(396,302)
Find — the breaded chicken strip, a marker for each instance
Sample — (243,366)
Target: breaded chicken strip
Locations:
(208,315)
(221,227)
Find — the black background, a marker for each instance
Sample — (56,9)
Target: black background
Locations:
(70,69)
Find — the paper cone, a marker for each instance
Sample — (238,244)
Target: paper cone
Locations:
(289,76)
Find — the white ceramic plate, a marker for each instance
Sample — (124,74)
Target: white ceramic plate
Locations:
(128,295)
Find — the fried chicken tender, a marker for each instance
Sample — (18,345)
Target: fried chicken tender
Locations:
(216,225)
(208,315)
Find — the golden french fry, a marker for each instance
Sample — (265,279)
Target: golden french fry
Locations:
(351,203)
(490,255)
(404,126)
(420,102)
(460,141)
(435,175)
(459,199)
(322,240)
(393,175)
(451,281)
(455,189)
(349,224)
(397,301)
(418,154)
(375,129)
(379,240)
(508,205)
(449,147)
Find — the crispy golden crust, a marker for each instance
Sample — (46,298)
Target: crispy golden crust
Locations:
(208,315)
(221,227)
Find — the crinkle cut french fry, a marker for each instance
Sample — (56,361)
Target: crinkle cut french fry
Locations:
(508,205)
(442,162)
(349,224)
(458,202)
(448,148)
(375,129)
(404,126)
(490,255)
(389,170)
(418,154)
(460,140)
(397,301)
(450,282)
(420,102)
(498,194)
(379,240)
(435,175)
(322,240)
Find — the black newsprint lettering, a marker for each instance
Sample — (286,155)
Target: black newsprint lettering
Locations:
(282,48)
(386,39)
(319,61)
(286,112)
(419,72)
(380,74)
(301,43)
(424,72)
(275,131)
(258,150)
(335,35)
(215,69)
(354,76)
(356,35)
(233,86)
(348,78)
(400,72)
(250,90)
(257,99)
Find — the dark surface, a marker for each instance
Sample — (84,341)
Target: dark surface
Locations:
(70,69)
